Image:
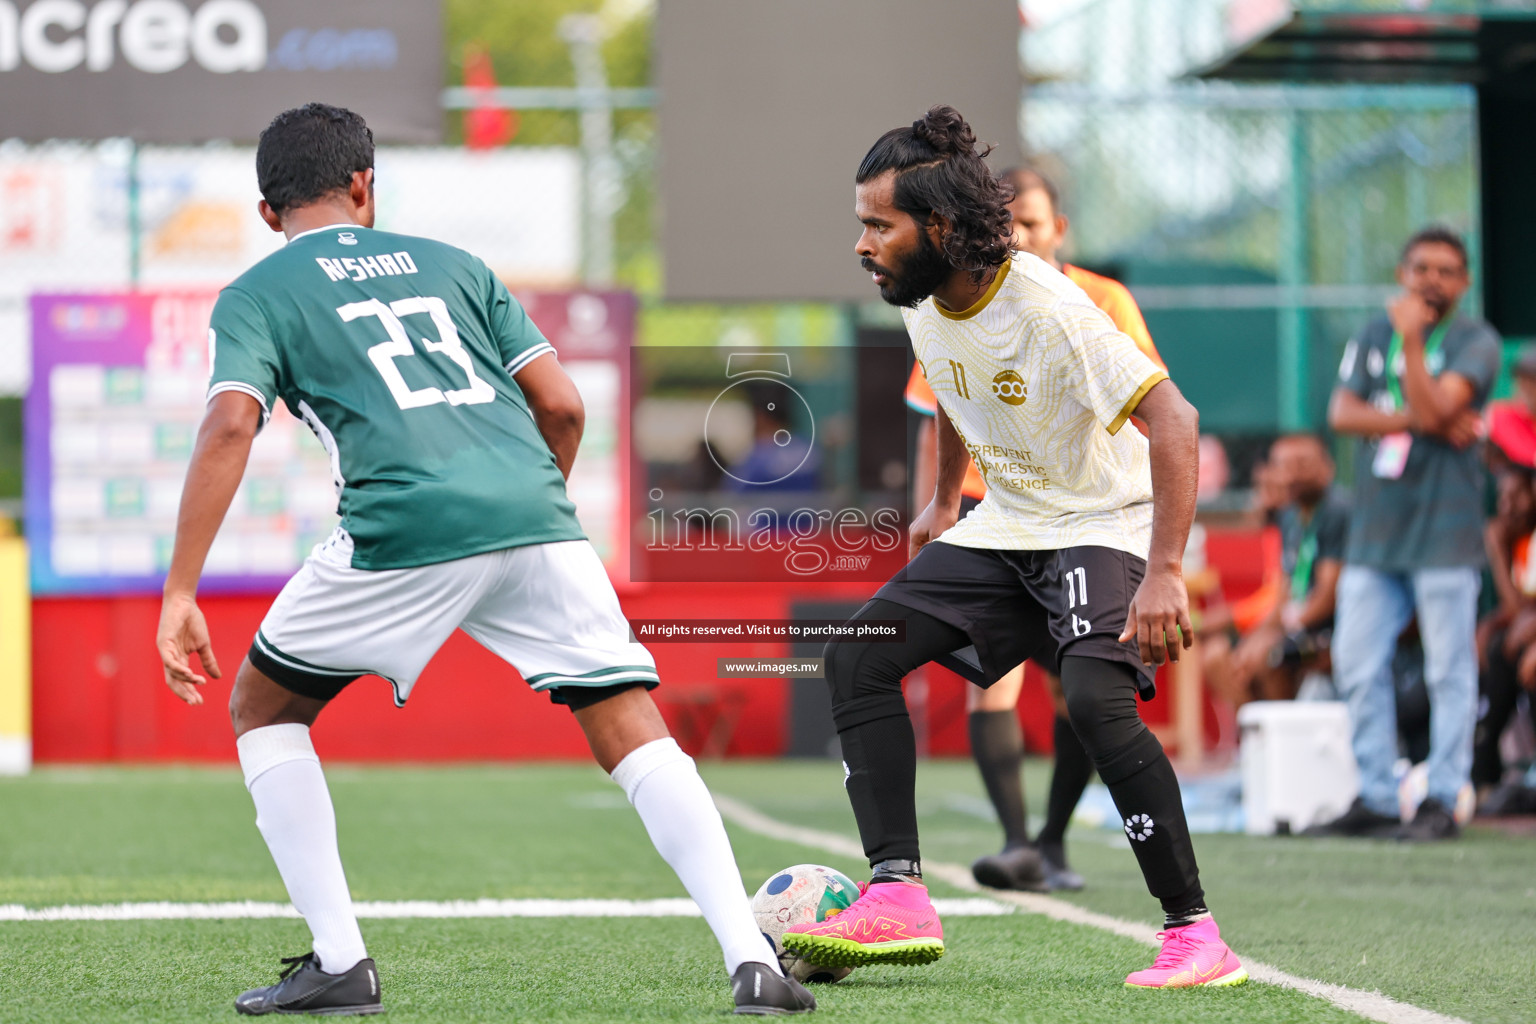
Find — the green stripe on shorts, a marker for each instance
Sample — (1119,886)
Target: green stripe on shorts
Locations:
(597,677)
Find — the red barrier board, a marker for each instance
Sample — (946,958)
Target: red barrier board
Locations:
(98,693)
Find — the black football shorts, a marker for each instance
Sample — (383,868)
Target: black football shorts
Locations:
(1025,605)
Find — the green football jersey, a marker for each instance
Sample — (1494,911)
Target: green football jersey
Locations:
(399,353)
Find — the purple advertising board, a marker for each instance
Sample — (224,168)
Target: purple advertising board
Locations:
(117,393)
(118,389)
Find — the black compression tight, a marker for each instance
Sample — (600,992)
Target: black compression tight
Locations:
(879,751)
(880,754)
(1101,701)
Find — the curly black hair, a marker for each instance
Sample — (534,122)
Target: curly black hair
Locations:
(309,152)
(939,171)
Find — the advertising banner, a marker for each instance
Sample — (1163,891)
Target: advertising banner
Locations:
(189,71)
(117,394)
(64,219)
(118,391)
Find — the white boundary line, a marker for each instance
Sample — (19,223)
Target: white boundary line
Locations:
(1371,1005)
(964,907)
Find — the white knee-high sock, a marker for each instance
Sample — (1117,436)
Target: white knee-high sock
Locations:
(678,812)
(295,816)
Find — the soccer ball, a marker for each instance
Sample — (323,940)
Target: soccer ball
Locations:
(796,895)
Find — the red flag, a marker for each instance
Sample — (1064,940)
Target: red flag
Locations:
(486,126)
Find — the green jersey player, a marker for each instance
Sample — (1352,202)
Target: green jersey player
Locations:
(451,428)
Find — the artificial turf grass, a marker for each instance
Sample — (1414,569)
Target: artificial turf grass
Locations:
(564,831)
(1450,927)
(1010,969)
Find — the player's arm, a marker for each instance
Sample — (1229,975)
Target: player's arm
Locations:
(921,400)
(1348,410)
(1348,413)
(1434,402)
(556,406)
(1320,601)
(218,463)
(1160,609)
(1496,542)
(944,510)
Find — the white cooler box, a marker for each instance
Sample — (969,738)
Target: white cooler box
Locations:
(1298,768)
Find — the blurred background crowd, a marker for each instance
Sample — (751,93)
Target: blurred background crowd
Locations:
(1315,212)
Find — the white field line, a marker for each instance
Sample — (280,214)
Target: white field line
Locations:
(1371,1005)
(964,907)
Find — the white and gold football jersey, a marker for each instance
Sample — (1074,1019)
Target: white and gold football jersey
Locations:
(1039,383)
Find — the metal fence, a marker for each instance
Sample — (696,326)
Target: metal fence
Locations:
(1257,225)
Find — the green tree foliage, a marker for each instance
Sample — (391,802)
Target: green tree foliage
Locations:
(522,38)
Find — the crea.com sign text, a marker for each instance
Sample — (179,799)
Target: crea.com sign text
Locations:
(159,36)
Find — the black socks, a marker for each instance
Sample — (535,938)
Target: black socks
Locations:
(997,744)
(1069,777)
(895,869)
(1185,917)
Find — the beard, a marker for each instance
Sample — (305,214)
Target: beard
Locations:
(918,276)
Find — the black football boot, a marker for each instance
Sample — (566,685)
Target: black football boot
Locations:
(759,989)
(304,988)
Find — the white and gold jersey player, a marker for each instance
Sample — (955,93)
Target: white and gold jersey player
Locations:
(1073,558)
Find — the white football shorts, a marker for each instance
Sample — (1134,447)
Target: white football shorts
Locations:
(546,609)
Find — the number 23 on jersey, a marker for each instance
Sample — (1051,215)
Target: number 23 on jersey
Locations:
(384,354)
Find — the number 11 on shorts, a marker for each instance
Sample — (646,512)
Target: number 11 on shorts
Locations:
(1077,594)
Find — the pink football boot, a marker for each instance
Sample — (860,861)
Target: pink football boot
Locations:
(890,923)
(1191,956)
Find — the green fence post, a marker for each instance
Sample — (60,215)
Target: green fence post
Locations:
(1295,216)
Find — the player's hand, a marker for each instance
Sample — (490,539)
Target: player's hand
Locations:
(183,631)
(1466,429)
(1526,670)
(1411,317)
(1159,612)
(931,522)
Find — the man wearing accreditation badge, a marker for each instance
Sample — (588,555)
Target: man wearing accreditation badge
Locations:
(1411,385)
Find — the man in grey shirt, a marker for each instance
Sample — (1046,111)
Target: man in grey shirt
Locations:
(1410,387)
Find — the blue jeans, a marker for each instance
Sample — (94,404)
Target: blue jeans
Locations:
(1373,608)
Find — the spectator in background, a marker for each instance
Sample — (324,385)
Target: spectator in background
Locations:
(1215,469)
(1511,425)
(1506,638)
(1223,624)
(1268,662)
(1410,387)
